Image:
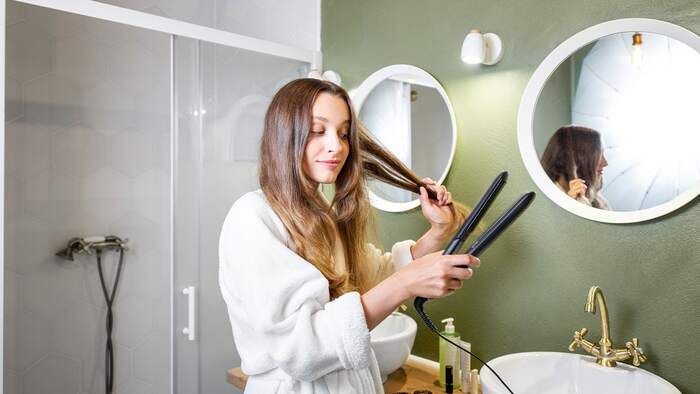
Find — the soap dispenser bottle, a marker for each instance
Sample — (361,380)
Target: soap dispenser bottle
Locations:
(449,354)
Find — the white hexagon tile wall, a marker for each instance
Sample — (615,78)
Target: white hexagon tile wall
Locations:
(87,154)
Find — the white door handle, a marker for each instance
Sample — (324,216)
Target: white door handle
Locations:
(191,313)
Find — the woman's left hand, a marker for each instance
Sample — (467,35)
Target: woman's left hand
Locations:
(441,213)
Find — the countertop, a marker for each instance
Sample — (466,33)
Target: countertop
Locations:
(415,374)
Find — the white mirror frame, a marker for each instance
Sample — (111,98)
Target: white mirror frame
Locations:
(360,94)
(531,95)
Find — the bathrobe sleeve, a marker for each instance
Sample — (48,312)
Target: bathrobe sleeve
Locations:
(286,298)
(385,264)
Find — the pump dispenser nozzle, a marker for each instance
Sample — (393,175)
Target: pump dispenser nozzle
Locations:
(449,324)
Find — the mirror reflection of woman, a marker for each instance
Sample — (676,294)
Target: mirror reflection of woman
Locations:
(574,160)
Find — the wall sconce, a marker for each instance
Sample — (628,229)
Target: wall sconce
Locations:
(315,74)
(332,76)
(328,75)
(482,49)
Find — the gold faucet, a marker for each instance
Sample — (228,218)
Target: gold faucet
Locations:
(604,352)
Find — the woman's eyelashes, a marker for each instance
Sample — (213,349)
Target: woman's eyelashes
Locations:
(318,128)
(343,134)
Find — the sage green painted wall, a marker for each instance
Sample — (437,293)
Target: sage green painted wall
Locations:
(530,291)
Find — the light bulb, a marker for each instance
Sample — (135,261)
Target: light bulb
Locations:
(637,53)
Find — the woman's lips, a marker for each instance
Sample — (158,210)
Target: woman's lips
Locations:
(329,163)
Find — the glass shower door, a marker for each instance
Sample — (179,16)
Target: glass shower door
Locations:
(87,133)
(221,95)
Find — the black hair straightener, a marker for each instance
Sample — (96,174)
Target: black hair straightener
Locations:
(480,244)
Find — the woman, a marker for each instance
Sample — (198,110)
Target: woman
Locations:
(302,285)
(574,161)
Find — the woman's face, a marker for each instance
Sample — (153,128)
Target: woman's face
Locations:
(602,163)
(327,145)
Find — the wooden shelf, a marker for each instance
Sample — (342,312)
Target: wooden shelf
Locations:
(415,374)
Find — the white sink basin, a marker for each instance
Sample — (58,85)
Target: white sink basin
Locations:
(568,373)
(392,341)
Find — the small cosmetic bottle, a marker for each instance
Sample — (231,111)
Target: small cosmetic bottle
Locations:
(449,388)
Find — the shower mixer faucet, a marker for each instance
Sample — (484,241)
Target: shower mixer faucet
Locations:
(88,244)
(604,352)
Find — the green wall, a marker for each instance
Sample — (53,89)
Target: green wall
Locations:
(530,291)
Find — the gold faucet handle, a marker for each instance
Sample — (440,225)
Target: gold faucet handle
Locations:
(578,337)
(636,352)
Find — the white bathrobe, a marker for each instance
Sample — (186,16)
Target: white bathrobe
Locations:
(290,337)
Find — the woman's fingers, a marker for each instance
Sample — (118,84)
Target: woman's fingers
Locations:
(455,266)
(578,184)
(462,273)
(462,259)
(445,273)
(577,187)
(435,188)
(443,196)
(454,284)
(423,195)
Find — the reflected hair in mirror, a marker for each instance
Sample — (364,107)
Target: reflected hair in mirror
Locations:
(574,152)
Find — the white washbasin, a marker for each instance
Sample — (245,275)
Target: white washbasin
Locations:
(392,341)
(568,373)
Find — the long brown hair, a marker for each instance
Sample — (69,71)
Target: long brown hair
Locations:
(309,219)
(574,152)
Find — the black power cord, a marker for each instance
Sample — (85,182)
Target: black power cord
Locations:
(109,299)
(418,304)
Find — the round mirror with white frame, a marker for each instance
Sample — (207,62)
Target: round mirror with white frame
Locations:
(407,111)
(607,123)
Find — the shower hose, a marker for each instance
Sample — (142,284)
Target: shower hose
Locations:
(109,299)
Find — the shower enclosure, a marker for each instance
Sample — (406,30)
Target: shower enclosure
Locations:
(126,123)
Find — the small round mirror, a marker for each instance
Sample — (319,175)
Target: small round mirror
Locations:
(607,123)
(407,111)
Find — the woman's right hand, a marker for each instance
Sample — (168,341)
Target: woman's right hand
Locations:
(577,187)
(435,275)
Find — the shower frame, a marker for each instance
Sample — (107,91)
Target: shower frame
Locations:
(174,28)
